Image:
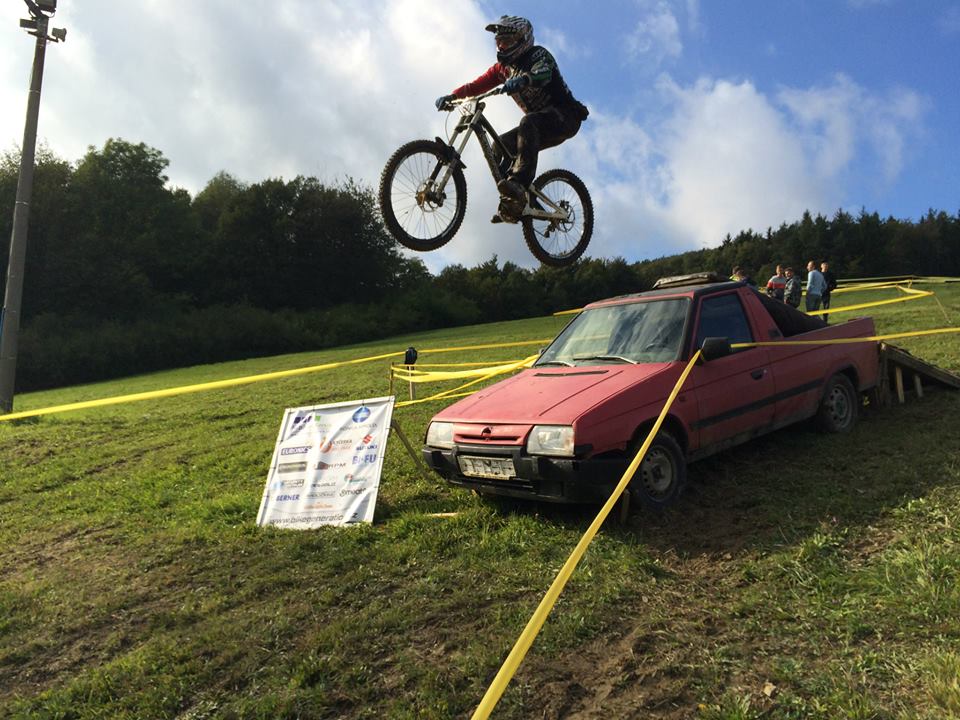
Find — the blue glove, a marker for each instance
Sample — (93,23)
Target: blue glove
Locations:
(515,84)
(443,100)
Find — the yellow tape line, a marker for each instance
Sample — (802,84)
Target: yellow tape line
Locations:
(848,308)
(233,382)
(405,403)
(422,376)
(866,286)
(437,365)
(530,632)
(445,394)
(912,295)
(842,341)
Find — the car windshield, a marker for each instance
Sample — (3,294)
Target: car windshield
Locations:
(638,332)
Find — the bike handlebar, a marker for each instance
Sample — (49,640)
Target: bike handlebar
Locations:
(462,101)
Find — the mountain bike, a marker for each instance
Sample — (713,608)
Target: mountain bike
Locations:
(423,193)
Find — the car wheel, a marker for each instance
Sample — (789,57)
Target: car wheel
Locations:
(662,474)
(838,409)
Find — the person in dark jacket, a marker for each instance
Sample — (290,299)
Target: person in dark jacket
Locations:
(552,114)
(831,280)
(793,289)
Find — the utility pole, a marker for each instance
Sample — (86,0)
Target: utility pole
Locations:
(40,13)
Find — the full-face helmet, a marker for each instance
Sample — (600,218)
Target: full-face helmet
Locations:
(514,36)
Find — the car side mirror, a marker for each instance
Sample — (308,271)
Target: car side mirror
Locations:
(714,348)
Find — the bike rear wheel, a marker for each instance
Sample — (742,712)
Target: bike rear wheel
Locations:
(417,213)
(557,243)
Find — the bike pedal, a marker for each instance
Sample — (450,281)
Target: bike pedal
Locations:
(510,210)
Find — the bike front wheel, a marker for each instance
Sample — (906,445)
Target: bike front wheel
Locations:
(417,211)
(560,242)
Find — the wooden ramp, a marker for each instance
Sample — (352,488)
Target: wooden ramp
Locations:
(897,365)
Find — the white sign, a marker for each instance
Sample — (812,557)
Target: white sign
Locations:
(326,465)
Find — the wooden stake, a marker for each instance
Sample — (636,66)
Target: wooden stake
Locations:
(417,460)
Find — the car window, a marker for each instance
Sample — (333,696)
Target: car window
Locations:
(638,332)
(723,316)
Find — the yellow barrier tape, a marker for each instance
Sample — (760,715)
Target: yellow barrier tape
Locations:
(865,286)
(530,632)
(233,382)
(431,399)
(842,341)
(912,295)
(184,389)
(435,365)
(853,288)
(445,394)
(422,376)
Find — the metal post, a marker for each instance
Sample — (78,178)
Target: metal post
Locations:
(10,317)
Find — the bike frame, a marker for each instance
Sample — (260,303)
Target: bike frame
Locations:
(473,122)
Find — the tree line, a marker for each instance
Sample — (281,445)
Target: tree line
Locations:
(125,274)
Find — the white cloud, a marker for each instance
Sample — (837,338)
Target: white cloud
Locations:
(656,36)
(560,44)
(843,119)
(732,163)
(728,157)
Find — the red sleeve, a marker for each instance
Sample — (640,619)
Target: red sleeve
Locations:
(488,81)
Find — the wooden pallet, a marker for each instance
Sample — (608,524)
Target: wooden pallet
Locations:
(895,363)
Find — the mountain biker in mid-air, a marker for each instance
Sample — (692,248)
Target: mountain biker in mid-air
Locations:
(529,73)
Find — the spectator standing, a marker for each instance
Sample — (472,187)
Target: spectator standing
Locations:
(741,275)
(815,286)
(831,280)
(792,288)
(776,284)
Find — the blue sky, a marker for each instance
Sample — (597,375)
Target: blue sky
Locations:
(706,117)
(885,48)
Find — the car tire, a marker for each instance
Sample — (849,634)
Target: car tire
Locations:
(662,474)
(838,408)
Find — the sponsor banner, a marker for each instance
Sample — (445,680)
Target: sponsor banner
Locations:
(326,465)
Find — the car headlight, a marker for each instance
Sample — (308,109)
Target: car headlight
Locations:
(551,440)
(440,434)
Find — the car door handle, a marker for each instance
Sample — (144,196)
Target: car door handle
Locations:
(758,374)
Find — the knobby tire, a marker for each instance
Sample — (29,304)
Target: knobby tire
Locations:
(420,226)
(573,239)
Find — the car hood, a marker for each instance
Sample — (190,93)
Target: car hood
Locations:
(550,395)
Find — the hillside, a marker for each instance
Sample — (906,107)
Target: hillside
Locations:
(134,582)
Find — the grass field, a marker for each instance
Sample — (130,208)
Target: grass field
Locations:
(801,576)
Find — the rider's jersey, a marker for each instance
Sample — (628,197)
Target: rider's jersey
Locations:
(545,89)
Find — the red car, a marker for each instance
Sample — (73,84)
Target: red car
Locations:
(565,429)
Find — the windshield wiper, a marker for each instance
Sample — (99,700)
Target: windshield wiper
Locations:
(554,362)
(609,358)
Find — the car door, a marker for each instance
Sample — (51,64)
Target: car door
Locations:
(735,394)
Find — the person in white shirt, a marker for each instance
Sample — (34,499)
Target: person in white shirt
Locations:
(816,286)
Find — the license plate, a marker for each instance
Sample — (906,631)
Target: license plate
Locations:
(487,467)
